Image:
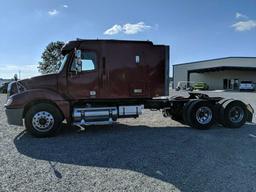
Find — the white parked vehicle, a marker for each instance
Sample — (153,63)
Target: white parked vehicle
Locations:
(247,86)
(185,85)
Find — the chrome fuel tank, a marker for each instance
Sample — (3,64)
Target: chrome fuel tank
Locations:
(95,114)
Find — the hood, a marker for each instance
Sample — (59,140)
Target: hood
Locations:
(48,81)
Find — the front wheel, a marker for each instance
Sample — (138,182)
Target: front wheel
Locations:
(43,120)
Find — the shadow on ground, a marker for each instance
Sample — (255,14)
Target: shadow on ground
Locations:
(214,160)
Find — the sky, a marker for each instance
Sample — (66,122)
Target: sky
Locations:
(194,29)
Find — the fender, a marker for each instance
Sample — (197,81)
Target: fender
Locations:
(23,99)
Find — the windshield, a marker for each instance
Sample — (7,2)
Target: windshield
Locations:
(63,61)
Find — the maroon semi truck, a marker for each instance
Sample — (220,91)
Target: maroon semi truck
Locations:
(100,81)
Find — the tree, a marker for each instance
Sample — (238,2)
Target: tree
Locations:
(51,58)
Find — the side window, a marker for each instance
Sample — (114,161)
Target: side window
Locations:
(88,59)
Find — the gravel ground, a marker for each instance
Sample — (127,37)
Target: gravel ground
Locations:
(150,153)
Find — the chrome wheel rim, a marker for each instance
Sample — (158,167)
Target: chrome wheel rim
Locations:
(43,121)
(236,114)
(204,115)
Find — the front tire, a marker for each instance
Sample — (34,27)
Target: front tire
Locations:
(43,120)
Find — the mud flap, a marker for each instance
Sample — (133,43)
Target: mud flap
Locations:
(249,113)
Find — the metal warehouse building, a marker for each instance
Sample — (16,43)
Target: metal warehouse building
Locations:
(222,73)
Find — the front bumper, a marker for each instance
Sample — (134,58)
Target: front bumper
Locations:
(14,116)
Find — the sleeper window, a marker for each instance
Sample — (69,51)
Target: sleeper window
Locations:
(88,59)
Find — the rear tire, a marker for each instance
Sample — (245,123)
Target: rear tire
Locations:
(200,115)
(185,115)
(233,114)
(218,107)
(43,120)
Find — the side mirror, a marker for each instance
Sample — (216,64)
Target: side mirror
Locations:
(78,61)
(79,67)
(78,54)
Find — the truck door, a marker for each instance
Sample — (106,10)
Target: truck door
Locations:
(84,84)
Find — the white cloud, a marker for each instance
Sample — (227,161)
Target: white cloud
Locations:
(244,25)
(113,30)
(53,12)
(65,6)
(127,28)
(241,16)
(135,28)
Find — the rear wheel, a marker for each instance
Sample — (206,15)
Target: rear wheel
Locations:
(218,107)
(200,115)
(185,115)
(233,114)
(43,120)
